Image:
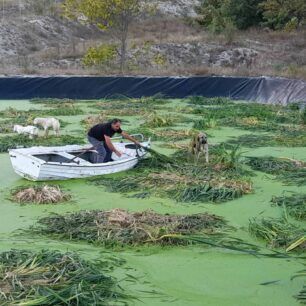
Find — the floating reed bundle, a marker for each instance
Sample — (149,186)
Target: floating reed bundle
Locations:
(45,194)
(287,170)
(179,178)
(294,204)
(120,227)
(52,278)
(296,139)
(278,233)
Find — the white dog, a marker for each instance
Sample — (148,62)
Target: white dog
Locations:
(47,123)
(30,130)
(199,145)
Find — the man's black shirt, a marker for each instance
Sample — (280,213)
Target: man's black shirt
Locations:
(98,131)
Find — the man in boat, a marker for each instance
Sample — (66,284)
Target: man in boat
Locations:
(100,137)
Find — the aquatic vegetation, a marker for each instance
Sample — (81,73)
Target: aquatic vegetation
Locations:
(44,194)
(206,123)
(286,170)
(181,179)
(120,227)
(262,112)
(277,232)
(200,100)
(154,120)
(32,113)
(18,141)
(295,139)
(92,120)
(54,278)
(295,204)
(301,296)
(51,101)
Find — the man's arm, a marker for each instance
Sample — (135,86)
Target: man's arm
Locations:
(111,146)
(129,137)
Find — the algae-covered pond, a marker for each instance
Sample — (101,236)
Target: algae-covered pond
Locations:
(184,274)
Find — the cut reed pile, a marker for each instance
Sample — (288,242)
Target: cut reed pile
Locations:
(50,101)
(154,120)
(301,296)
(92,120)
(180,178)
(278,233)
(199,100)
(262,112)
(45,194)
(118,227)
(16,141)
(295,204)
(53,278)
(287,170)
(72,110)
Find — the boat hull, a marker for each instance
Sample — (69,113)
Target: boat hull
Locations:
(27,165)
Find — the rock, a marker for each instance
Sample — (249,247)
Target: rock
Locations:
(236,57)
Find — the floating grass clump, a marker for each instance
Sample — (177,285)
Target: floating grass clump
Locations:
(301,296)
(178,177)
(287,170)
(262,112)
(293,138)
(119,227)
(32,113)
(294,204)
(92,120)
(207,123)
(48,101)
(45,194)
(278,233)
(53,278)
(17,141)
(155,121)
(199,100)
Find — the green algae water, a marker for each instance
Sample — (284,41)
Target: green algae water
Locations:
(189,275)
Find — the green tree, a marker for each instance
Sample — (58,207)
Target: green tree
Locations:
(114,16)
(281,13)
(214,14)
(245,13)
(217,15)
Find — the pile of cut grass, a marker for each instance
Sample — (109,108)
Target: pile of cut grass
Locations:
(45,194)
(290,139)
(178,177)
(200,100)
(182,188)
(19,141)
(286,170)
(92,120)
(119,227)
(32,113)
(50,101)
(207,123)
(262,112)
(154,120)
(295,204)
(301,296)
(278,233)
(54,278)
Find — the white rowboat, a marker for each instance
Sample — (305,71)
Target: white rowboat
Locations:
(72,161)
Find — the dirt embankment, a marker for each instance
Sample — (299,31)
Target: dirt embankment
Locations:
(37,40)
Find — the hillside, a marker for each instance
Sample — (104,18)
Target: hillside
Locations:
(38,40)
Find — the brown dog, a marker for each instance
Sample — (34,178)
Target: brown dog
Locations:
(199,145)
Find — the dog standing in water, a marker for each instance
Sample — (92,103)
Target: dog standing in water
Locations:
(199,145)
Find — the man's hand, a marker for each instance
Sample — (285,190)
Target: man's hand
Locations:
(118,153)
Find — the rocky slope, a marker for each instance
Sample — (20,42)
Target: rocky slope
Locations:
(34,40)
